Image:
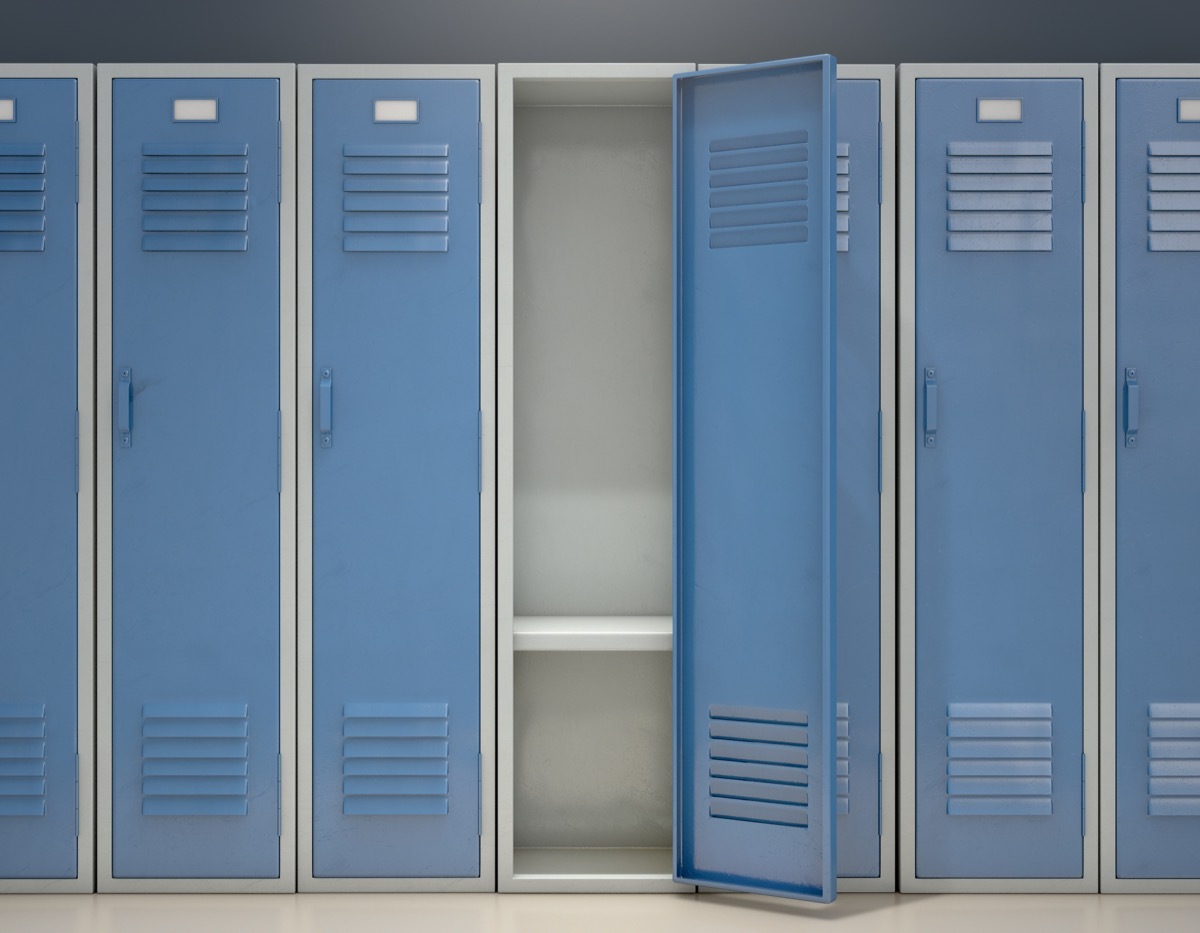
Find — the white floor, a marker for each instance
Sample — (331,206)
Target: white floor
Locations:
(581,913)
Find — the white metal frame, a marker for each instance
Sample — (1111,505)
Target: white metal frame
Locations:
(909,882)
(84,882)
(485,75)
(644,632)
(1109,882)
(286,882)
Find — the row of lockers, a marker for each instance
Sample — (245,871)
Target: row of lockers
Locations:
(446,469)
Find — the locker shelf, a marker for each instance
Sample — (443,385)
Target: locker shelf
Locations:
(564,864)
(592,633)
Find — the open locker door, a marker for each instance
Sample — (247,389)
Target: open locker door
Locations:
(754,436)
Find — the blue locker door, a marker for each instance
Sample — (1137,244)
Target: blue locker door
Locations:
(999,493)
(38,522)
(1158,509)
(395,422)
(754,702)
(858,477)
(195,369)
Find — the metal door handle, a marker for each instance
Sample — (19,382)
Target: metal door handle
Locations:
(125,407)
(931,407)
(1132,407)
(325,408)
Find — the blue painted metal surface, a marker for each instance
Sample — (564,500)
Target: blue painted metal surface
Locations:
(395,487)
(858,479)
(38,520)
(754,507)
(1158,511)
(999,498)
(195,497)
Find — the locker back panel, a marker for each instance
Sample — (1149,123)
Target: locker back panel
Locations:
(999,497)
(38,520)
(754,214)
(1158,511)
(858,466)
(395,481)
(195,234)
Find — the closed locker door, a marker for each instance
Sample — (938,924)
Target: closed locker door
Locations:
(38,520)
(1157,240)
(999,478)
(396,478)
(754,703)
(859,478)
(196,473)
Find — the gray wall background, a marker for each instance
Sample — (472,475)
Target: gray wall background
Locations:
(468,31)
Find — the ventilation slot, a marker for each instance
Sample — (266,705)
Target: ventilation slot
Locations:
(999,759)
(396,199)
(843,197)
(843,758)
(194,759)
(758,765)
(1174,199)
(758,190)
(195,197)
(1000,196)
(22,198)
(1174,759)
(22,759)
(395,759)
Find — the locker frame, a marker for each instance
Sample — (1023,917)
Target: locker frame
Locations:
(886,76)
(641,634)
(85,837)
(486,76)
(906,400)
(1109,882)
(286,882)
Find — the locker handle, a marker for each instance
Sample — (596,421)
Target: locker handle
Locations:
(325,408)
(1132,407)
(125,407)
(931,407)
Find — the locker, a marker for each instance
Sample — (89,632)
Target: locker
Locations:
(998,323)
(754,488)
(1151,702)
(46,501)
(396,595)
(196,346)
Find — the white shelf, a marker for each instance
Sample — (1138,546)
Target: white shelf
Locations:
(592,633)
(615,864)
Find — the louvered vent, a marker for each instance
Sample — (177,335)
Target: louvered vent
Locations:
(1000,196)
(22,198)
(396,198)
(843,197)
(195,197)
(1174,759)
(195,759)
(757,190)
(843,758)
(1174,199)
(999,759)
(22,759)
(758,765)
(395,759)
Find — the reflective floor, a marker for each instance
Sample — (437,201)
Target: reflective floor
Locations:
(582,913)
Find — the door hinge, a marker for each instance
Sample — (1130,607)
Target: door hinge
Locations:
(479,796)
(77,451)
(1083,162)
(879,162)
(77,795)
(879,453)
(1083,795)
(479,161)
(479,453)
(278,161)
(76,161)
(279,796)
(1083,451)
(879,797)
(278,452)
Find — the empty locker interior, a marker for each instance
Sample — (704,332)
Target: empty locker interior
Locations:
(998,545)
(396,503)
(1151,269)
(585,477)
(46,542)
